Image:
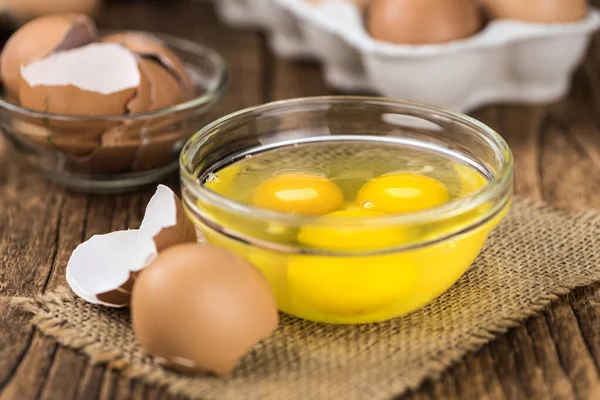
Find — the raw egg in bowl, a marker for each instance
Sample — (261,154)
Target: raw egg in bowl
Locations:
(355,209)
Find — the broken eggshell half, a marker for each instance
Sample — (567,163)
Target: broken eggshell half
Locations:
(93,80)
(166,229)
(148,46)
(39,38)
(103,269)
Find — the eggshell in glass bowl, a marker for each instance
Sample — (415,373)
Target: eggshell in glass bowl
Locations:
(94,80)
(79,144)
(39,38)
(149,46)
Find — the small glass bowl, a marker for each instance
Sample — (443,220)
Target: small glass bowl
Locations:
(359,285)
(76,151)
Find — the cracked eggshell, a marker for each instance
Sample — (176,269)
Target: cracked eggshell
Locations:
(165,220)
(542,11)
(142,101)
(164,88)
(150,46)
(93,80)
(201,308)
(102,269)
(423,21)
(39,38)
(72,144)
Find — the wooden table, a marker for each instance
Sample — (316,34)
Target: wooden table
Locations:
(557,149)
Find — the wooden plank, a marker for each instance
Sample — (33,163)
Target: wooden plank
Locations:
(32,372)
(529,370)
(90,384)
(64,375)
(559,385)
(572,350)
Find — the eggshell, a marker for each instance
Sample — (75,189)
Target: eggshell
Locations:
(101,269)
(71,100)
(142,101)
(39,38)
(93,80)
(75,144)
(165,221)
(164,88)
(150,46)
(27,9)
(201,308)
(423,21)
(544,11)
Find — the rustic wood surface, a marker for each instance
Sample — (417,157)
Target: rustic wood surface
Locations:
(555,355)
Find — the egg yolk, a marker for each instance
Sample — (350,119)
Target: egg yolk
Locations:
(350,237)
(298,194)
(397,193)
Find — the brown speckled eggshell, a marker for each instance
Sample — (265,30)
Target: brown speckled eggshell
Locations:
(201,308)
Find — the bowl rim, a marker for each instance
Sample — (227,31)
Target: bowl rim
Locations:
(499,187)
(207,97)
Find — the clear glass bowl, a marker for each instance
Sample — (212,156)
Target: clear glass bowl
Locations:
(77,151)
(365,284)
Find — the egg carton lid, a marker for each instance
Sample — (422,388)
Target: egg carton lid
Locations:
(343,18)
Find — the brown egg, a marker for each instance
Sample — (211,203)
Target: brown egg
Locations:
(27,9)
(423,21)
(37,39)
(201,308)
(544,11)
(149,46)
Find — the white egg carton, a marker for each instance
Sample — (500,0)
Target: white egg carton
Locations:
(509,61)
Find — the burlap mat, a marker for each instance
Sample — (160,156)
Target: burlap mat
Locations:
(535,255)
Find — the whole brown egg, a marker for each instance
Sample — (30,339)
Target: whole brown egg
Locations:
(423,21)
(201,308)
(544,11)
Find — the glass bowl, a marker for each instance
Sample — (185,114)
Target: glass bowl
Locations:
(79,151)
(381,278)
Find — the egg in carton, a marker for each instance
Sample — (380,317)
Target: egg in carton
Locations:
(526,60)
